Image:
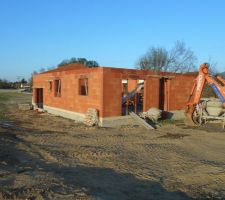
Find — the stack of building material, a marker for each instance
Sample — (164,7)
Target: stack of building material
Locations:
(153,114)
(91,117)
(24,106)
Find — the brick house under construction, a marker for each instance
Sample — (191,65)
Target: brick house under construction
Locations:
(70,90)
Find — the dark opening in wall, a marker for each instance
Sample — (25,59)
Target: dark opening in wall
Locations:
(83,86)
(50,86)
(161,93)
(132,101)
(39,97)
(58,88)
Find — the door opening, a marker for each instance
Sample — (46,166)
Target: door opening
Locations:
(39,97)
(132,96)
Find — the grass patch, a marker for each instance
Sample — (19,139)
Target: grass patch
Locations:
(4,98)
(3,116)
(3,111)
(14,97)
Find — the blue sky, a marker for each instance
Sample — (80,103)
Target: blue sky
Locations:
(41,33)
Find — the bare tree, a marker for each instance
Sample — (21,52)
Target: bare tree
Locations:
(179,59)
(156,59)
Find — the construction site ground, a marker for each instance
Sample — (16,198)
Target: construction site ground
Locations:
(48,157)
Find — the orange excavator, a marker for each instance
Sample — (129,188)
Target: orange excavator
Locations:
(197,111)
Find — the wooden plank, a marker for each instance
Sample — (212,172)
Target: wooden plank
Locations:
(141,121)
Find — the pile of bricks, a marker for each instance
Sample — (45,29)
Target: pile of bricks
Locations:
(91,117)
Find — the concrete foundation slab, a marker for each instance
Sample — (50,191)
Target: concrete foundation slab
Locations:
(108,121)
(117,121)
(65,113)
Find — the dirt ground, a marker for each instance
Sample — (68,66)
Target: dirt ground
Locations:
(47,157)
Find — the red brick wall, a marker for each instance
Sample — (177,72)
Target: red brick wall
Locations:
(112,93)
(131,85)
(70,98)
(180,89)
(151,93)
(105,90)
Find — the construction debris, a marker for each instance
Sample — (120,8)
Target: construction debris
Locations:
(91,117)
(141,121)
(153,114)
(24,106)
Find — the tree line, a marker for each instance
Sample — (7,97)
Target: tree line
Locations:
(5,84)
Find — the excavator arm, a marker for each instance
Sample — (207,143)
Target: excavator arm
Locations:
(221,80)
(196,93)
(218,89)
